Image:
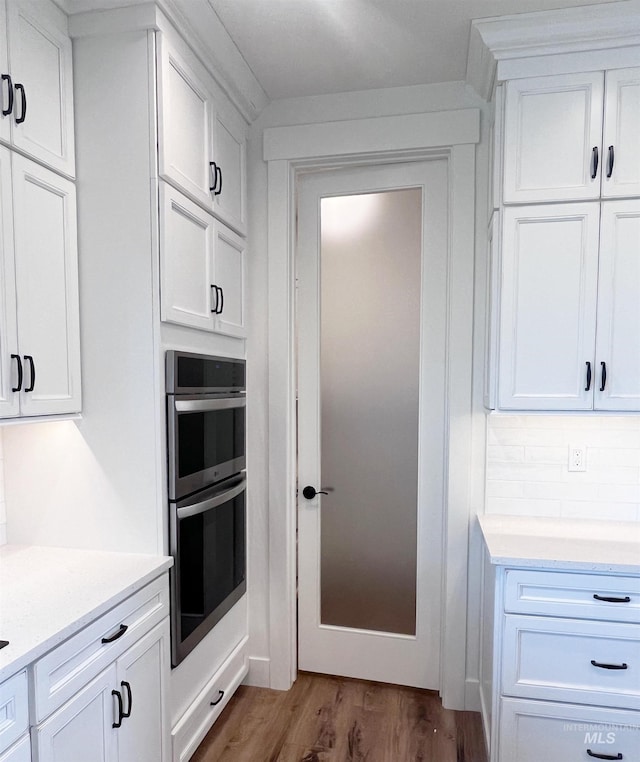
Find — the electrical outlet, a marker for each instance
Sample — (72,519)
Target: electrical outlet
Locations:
(577,458)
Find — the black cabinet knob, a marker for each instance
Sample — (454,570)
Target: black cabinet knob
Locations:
(310,492)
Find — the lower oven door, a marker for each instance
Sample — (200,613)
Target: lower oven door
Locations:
(208,543)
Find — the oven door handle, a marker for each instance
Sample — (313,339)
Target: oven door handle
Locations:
(197,406)
(213,502)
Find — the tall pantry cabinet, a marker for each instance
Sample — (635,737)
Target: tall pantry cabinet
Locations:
(162,198)
(568,195)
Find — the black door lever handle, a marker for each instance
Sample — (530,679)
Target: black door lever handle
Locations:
(310,492)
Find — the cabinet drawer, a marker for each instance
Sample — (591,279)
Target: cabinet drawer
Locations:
(531,731)
(14,709)
(553,659)
(573,595)
(192,727)
(62,672)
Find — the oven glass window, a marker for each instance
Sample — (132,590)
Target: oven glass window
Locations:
(208,439)
(209,373)
(212,560)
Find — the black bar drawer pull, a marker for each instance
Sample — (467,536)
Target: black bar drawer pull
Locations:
(219,699)
(594,162)
(588,386)
(125,684)
(118,722)
(604,756)
(121,631)
(18,359)
(6,111)
(609,666)
(214,177)
(218,189)
(610,599)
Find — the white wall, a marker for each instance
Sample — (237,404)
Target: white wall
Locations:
(527,466)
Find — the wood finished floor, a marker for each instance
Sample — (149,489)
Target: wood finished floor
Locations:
(335,719)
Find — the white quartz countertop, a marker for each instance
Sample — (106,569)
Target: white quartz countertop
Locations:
(554,543)
(48,594)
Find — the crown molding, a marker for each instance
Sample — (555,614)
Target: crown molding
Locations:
(495,42)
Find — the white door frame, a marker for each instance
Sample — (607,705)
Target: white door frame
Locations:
(289,151)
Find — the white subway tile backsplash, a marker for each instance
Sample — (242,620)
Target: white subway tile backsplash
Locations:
(527,466)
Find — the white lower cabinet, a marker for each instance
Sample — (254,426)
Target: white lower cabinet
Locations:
(564,666)
(119,716)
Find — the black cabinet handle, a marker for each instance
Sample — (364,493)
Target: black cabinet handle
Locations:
(118,722)
(588,386)
(221,306)
(608,599)
(603,382)
(120,632)
(594,162)
(219,699)
(125,684)
(218,190)
(214,176)
(600,665)
(610,161)
(214,289)
(23,114)
(18,359)
(604,756)
(6,111)
(32,365)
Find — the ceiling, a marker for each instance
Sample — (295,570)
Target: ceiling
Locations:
(313,47)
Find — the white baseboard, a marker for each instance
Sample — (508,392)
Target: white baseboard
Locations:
(472,695)
(259,674)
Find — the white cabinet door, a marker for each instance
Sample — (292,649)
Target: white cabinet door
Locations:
(82,728)
(229,278)
(548,306)
(40,60)
(20,752)
(621,145)
(141,675)
(229,157)
(46,258)
(10,361)
(6,89)
(618,343)
(185,126)
(186,245)
(553,132)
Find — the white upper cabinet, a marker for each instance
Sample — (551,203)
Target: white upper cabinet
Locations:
(10,361)
(187,294)
(229,282)
(202,268)
(201,137)
(37,86)
(621,144)
(548,307)
(185,130)
(46,283)
(6,88)
(553,137)
(572,137)
(617,386)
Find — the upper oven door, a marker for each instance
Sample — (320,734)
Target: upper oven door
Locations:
(206,441)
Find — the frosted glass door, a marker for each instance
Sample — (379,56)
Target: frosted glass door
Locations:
(369,360)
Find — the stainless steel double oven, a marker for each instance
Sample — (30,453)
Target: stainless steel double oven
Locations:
(206,398)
